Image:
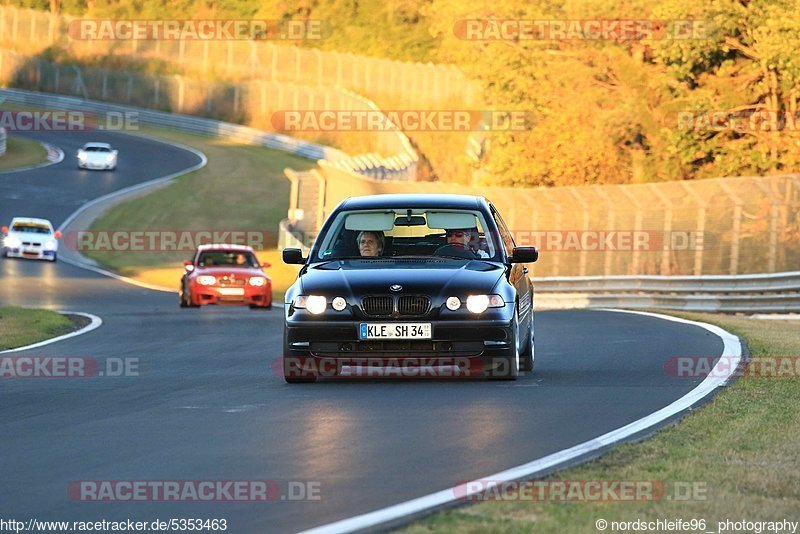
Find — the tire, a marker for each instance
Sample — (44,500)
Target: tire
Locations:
(527,357)
(55,257)
(293,372)
(187,302)
(507,367)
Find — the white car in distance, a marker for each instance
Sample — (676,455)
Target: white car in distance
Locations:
(97,156)
(30,238)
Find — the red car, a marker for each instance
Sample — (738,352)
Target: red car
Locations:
(225,274)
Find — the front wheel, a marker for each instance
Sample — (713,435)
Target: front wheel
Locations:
(527,356)
(507,367)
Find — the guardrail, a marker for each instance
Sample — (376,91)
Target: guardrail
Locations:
(778,292)
(2,141)
(173,121)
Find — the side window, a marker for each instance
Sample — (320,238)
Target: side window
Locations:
(505,235)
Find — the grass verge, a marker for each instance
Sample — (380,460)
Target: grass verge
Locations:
(23,326)
(242,188)
(21,153)
(742,448)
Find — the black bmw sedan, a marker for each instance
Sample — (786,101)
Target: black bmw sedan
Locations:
(412,281)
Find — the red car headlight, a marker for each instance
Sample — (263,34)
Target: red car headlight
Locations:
(258,281)
(206,280)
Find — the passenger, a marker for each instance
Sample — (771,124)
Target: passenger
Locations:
(370,244)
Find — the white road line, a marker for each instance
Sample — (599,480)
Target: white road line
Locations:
(732,353)
(94,324)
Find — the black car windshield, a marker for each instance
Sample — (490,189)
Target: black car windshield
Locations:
(31,228)
(418,232)
(227,258)
(96,149)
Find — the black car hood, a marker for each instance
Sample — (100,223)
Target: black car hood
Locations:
(434,277)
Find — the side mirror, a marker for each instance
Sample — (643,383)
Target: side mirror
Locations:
(524,255)
(58,234)
(293,256)
(188,265)
(266,265)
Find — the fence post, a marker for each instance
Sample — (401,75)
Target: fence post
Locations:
(637,227)
(701,227)
(610,222)
(57,81)
(736,225)
(320,74)
(274,62)
(130,88)
(104,94)
(156,91)
(297,66)
(558,221)
(180,93)
(773,226)
(585,208)
(666,246)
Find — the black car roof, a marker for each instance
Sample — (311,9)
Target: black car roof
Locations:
(395,201)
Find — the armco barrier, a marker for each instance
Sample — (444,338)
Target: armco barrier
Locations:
(184,123)
(2,141)
(778,292)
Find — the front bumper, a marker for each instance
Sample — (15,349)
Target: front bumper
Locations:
(472,345)
(96,165)
(32,253)
(250,295)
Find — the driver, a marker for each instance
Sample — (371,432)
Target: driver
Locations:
(458,244)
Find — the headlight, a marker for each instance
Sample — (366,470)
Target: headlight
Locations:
(206,280)
(453,303)
(12,242)
(313,303)
(339,304)
(110,158)
(81,156)
(258,281)
(479,303)
(50,244)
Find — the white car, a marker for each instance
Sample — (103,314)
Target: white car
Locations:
(30,238)
(97,156)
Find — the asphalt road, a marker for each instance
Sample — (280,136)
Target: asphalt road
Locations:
(206,406)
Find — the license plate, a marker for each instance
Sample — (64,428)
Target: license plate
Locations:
(231,291)
(394,331)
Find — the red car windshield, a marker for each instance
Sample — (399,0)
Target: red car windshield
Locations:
(227,258)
